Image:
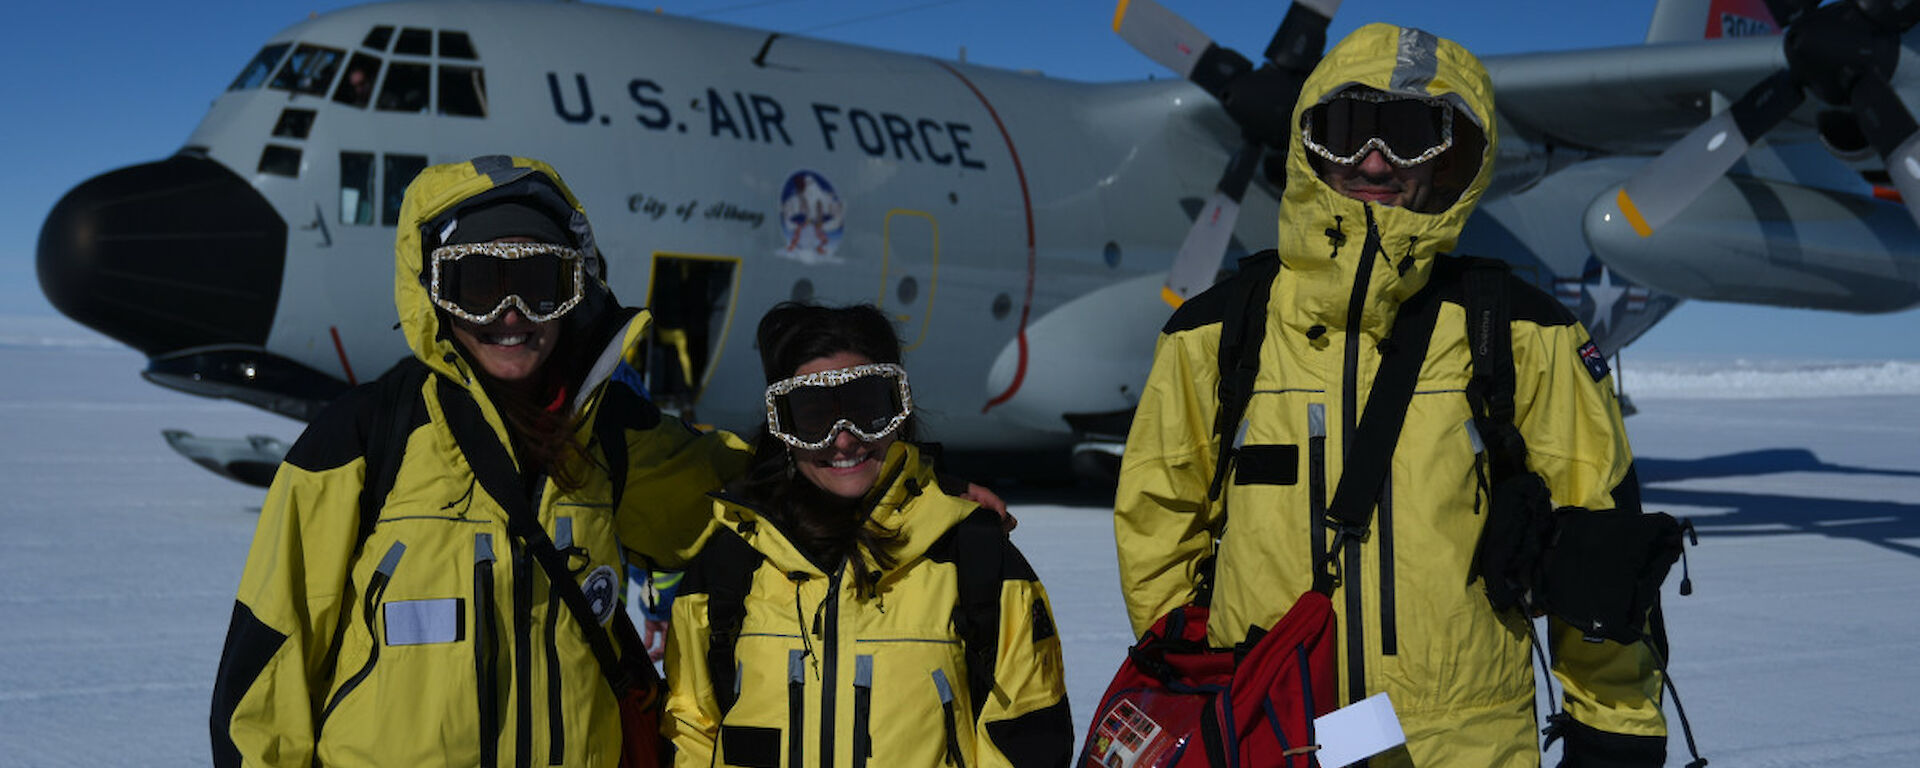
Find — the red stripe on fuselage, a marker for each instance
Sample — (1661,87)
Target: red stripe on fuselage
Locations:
(342,350)
(1026,204)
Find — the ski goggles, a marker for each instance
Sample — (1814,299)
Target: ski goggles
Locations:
(1407,131)
(870,401)
(477,282)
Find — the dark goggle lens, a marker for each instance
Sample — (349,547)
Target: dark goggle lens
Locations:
(868,402)
(478,283)
(1408,127)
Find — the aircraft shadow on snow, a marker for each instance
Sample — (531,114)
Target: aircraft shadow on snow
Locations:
(1883,523)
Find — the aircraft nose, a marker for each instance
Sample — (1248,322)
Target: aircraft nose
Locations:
(166,256)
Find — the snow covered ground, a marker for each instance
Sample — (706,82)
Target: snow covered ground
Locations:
(118,559)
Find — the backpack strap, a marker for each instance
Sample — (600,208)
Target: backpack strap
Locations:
(727,564)
(393,413)
(980,556)
(1490,391)
(1242,331)
(1368,458)
(496,473)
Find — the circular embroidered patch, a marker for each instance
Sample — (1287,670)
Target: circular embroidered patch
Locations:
(602,587)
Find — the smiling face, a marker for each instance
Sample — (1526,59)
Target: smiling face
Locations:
(847,467)
(1375,180)
(511,348)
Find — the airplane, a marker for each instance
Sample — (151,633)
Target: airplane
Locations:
(1029,234)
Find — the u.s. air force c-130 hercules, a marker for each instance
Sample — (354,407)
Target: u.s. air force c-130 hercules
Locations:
(1029,234)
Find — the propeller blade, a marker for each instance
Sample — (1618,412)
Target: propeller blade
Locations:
(1161,34)
(1302,35)
(1669,183)
(1890,127)
(1198,261)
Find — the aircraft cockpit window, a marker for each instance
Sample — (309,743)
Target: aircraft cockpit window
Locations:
(405,89)
(396,173)
(415,42)
(377,38)
(261,66)
(309,70)
(456,45)
(356,88)
(294,123)
(356,188)
(280,161)
(463,91)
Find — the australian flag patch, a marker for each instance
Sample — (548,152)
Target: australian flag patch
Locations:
(1596,363)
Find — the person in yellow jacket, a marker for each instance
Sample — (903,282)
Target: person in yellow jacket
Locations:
(828,622)
(432,638)
(1392,144)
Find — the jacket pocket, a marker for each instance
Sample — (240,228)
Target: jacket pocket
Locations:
(862,709)
(955,756)
(376,587)
(750,746)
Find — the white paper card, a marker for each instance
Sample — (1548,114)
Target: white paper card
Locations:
(1357,732)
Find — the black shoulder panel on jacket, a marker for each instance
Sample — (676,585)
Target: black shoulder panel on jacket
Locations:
(1524,300)
(1211,305)
(724,564)
(1013,565)
(250,645)
(338,434)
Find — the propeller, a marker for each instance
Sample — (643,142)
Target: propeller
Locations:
(1260,100)
(1842,53)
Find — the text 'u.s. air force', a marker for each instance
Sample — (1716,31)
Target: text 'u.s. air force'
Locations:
(758,117)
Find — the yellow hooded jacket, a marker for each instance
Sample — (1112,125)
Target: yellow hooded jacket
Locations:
(437,640)
(825,668)
(1414,621)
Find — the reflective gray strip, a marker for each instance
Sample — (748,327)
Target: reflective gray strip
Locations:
(1473,434)
(796,667)
(863,671)
(940,684)
(1316,420)
(738,672)
(392,560)
(418,622)
(1240,435)
(498,168)
(563,533)
(483,548)
(1415,64)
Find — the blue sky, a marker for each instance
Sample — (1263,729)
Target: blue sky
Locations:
(100,85)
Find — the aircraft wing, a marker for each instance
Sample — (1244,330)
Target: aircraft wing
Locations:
(1634,99)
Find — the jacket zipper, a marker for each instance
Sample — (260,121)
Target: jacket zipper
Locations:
(376,587)
(556,723)
(1350,416)
(862,710)
(1389,627)
(486,675)
(829,664)
(523,638)
(796,706)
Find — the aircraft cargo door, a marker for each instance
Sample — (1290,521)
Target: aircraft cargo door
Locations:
(692,299)
(909,272)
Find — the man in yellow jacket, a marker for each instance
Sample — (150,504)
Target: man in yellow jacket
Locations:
(1392,145)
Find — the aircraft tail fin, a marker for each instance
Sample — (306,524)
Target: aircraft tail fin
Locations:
(1687,20)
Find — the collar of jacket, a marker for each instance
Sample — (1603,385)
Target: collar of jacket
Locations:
(1323,234)
(907,479)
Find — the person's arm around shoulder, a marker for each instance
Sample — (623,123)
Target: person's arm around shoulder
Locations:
(1025,722)
(272,668)
(665,513)
(1163,522)
(1577,441)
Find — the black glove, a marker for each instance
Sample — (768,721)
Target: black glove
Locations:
(1588,747)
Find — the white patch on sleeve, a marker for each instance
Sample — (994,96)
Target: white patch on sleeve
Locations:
(419,622)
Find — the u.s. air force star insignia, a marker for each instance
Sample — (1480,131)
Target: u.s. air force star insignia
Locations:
(602,588)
